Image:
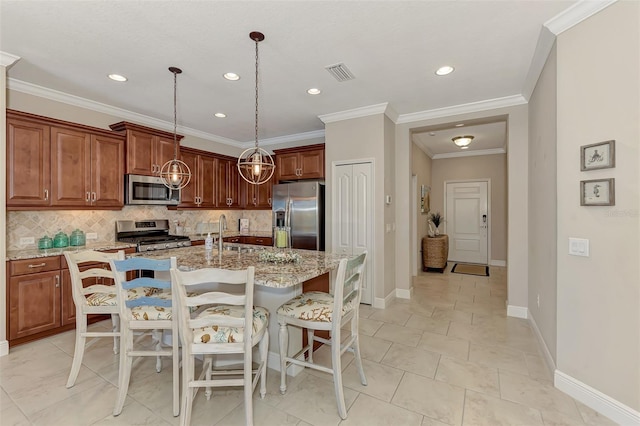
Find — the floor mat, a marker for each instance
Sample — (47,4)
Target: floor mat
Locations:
(465,268)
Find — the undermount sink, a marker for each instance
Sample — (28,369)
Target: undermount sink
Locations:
(241,248)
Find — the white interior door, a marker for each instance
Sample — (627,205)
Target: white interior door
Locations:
(467,221)
(353,217)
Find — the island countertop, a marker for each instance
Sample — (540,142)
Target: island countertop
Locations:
(268,274)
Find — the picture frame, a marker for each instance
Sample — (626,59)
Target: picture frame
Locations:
(599,155)
(425,199)
(597,192)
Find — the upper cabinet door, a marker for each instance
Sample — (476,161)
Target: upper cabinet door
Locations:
(312,164)
(164,150)
(287,166)
(28,164)
(190,193)
(107,171)
(207,181)
(70,167)
(140,159)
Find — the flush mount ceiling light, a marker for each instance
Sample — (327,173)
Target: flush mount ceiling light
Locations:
(314,91)
(255,165)
(231,76)
(117,77)
(220,115)
(175,174)
(447,69)
(462,141)
(459,124)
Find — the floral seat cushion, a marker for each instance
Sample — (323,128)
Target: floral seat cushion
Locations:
(312,306)
(219,334)
(111,299)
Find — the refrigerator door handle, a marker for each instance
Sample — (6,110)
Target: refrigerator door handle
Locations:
(287,213)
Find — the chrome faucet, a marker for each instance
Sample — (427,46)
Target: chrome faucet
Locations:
(222,225)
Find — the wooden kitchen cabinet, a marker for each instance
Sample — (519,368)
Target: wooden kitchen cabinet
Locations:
(201,190)
(228,183)
(306,162)
(147,149)
(28,162)
(257,197)
(40,298)
(57,164)
(34,296)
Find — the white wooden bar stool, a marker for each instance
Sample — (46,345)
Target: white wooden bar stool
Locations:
(322,311)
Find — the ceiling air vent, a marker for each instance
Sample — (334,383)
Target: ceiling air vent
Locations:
(340,72)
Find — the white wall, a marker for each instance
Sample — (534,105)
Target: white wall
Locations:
(543,206)
(599,296)
(389,210)
(361,138)
(490,167)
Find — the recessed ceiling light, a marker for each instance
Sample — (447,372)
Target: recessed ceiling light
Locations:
(231,76)
(117,77)
(447,69)
(220,115)
(314,91)
(459,124)
(432,133)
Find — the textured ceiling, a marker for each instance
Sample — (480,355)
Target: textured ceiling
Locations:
(392,48)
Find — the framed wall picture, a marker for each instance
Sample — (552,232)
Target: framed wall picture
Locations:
(600,155)
(425,199)
(597,192)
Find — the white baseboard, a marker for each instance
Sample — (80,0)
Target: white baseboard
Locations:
(4,347)
(517,311)
(380,303)
(402,293)
(593,398)
(551,364)
(494,262)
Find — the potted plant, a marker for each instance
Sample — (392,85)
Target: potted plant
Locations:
(436,219)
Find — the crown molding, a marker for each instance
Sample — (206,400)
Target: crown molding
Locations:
(315,134)
(7,59)
(546,40)
(54,95)
(576,14)
(355,113)
(493,151)
(507,101)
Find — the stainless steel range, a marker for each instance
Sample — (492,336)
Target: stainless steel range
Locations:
(149,235)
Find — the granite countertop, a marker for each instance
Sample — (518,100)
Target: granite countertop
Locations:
(277,275)
(34,253)
(264,234)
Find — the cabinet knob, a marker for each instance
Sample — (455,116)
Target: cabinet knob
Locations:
(269,200)
(94,197)
(57,281)
(46,194)
(87,197)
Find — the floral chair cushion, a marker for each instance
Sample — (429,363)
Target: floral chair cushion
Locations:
(312,306)
(111,299)
(218,334)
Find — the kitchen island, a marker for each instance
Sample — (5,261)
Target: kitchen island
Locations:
(275,283)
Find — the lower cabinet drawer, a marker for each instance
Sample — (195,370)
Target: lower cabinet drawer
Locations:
(32,266)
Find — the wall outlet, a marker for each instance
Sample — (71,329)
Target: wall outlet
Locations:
(25,241)
(92,235)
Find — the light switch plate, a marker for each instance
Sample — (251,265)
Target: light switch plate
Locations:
(25,241)
(578,247)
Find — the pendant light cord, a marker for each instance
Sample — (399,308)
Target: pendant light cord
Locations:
(257,41)
(175,116)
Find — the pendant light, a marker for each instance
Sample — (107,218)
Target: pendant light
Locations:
(255,164)
(175,174)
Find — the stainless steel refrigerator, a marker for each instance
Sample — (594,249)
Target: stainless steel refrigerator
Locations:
(300,206)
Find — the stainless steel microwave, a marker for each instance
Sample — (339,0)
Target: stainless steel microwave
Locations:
(149,190)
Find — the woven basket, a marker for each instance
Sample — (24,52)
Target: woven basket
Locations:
(435,251)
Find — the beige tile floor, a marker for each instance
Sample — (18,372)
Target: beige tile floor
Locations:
(449,356)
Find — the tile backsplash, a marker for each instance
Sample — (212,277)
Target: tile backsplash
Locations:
(36,224)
